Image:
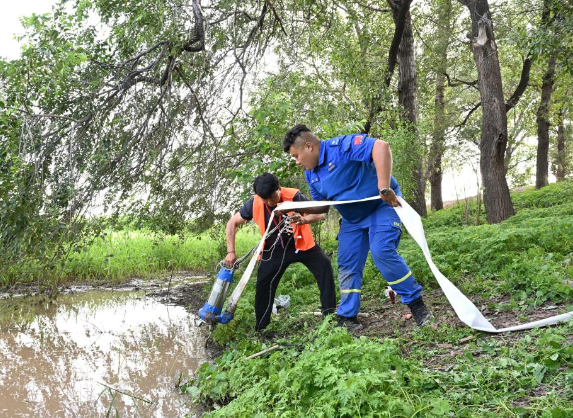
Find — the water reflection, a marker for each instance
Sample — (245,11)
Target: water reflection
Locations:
(95,353)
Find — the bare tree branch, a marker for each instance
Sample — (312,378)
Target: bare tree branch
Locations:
(277,17)
(51,115)
(372,8)
(472,110)
(523,82)
(460,82)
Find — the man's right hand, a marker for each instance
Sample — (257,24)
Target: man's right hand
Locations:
(230,259)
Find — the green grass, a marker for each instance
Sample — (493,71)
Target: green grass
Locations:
(331,374)
(121,255)
(324,372)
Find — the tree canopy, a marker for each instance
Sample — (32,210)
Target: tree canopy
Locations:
(165,109)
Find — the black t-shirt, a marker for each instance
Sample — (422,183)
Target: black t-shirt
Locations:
(246,212)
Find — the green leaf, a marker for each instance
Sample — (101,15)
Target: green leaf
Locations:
(442,407)
(193,391)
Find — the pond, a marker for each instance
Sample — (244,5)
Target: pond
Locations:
(97,353)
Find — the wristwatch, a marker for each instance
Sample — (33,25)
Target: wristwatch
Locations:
(384,192)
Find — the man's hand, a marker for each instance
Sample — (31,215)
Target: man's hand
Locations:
(283,212)
(230,259)
(391,199)
(297,218)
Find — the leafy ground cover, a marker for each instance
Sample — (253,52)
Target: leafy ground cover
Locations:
(517,271)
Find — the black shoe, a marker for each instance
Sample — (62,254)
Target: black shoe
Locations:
(420,312)
(349,322)
(265,334)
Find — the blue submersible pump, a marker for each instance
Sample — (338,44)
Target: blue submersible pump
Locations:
(211,311)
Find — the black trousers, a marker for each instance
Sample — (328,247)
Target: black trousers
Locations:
(271,270)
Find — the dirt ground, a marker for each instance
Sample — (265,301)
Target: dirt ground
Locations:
(384,318)
(381,319)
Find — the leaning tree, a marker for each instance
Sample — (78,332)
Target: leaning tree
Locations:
(493,141)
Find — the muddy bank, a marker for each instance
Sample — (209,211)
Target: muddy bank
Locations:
(186,293)
(158,282)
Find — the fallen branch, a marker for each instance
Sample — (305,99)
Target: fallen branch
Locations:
(126,394)
(260,353)
(360,314)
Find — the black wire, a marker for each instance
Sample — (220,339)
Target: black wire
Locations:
(273,279)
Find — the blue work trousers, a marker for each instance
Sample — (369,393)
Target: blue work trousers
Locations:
(380,234)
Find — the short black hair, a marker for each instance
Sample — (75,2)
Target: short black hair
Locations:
(292,135)
(265,185)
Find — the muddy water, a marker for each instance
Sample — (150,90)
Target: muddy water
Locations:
(96,353)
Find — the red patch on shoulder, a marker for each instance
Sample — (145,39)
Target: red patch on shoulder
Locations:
(358,139)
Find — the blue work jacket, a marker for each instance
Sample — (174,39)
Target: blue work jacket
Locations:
(345,171)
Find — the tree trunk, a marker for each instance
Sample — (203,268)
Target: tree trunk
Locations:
(445,30)
(542,172)
(493,141)
(560,160)
(436,150)
(408,99)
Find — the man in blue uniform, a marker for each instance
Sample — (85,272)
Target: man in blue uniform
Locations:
(354,167)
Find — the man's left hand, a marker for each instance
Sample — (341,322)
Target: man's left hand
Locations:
(391,199)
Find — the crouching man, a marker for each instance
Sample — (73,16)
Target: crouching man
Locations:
(281,248)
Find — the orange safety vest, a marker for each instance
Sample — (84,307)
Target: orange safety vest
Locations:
(302,233)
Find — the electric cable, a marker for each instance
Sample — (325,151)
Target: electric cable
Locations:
(242,258)
(277,273)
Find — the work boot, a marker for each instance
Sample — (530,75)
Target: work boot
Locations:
(351,323)
(420,312)
(265,334)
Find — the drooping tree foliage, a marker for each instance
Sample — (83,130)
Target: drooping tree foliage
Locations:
(128,114)
(166,109)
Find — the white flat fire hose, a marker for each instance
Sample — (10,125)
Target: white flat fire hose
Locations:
(467,312)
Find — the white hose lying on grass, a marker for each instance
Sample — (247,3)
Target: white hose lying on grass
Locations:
(468,313)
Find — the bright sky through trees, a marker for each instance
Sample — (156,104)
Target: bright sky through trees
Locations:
(10,22)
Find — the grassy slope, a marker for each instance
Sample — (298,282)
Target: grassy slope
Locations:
(516,271)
